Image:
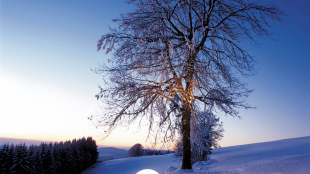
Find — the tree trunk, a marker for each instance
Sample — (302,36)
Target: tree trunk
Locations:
(186,130)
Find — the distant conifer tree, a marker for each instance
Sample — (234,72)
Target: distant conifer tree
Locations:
(5,158)
(20,160)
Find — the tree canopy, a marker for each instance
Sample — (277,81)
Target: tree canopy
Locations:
(176,59)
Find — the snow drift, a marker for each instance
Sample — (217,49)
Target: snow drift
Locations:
(276,157)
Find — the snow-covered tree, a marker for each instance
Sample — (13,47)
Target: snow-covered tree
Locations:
(48,160)
(21,160)
(76,156)
(92,149)
(45,157)
(85,152)
(6,158)
(32,158)
(175,58)
(205,136)
(38,161)
(64,157)
(57,157)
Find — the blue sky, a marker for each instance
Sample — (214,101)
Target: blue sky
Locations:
(47,89)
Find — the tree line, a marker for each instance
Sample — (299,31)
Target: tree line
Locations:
(64,157)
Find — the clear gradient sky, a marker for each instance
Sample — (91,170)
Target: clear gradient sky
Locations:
(47,90)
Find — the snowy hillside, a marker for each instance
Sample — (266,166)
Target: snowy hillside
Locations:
(290,156)
(115,153)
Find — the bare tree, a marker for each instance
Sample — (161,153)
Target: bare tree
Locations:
(174,58)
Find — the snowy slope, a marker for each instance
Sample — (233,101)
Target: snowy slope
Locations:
(111,151)
(290,156)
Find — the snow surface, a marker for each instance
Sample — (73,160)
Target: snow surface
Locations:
(133,165)
(290,156)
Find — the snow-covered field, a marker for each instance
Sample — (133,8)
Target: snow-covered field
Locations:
(133,165)
(290,156)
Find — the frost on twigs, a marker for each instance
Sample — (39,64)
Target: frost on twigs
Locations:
(206,131)
(175,59)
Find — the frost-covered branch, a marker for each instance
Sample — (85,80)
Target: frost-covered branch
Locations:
(172,55)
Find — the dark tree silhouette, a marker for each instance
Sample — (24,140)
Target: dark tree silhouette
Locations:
(6,158)
(176,58)
(21,162)
(135,150)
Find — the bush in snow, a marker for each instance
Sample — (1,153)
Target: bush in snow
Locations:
(204,136)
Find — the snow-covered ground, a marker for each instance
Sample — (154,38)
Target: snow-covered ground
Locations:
(290,156)
(133,165)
